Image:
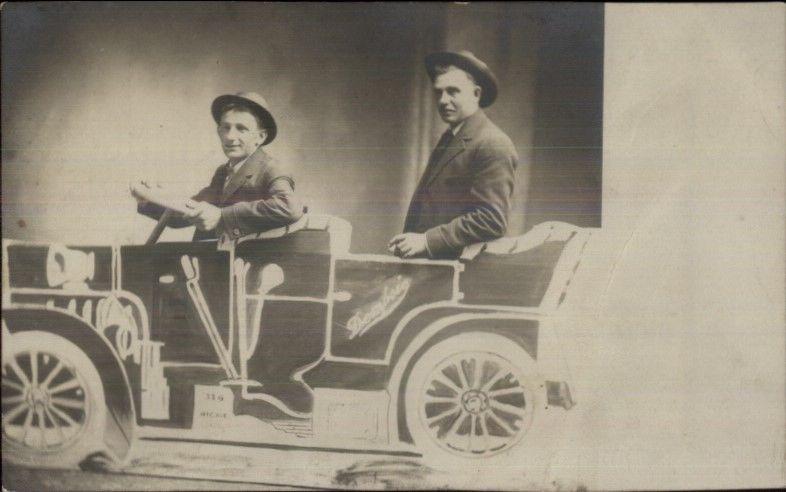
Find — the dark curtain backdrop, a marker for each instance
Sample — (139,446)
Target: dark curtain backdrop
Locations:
(567,134)
(94,95)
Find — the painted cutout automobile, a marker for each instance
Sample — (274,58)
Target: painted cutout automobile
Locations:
(282,338)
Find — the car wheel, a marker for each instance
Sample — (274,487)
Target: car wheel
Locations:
(53,403)
(472,396)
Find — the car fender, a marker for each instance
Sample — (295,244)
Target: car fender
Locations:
(119,431)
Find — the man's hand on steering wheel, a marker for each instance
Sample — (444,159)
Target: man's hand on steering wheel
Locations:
(205,216)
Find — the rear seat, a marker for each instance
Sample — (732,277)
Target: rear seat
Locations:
(532,270)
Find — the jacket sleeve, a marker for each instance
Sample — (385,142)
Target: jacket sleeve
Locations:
(484,215)
(279,207)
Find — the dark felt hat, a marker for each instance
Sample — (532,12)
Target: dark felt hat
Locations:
(468,62)
(254,102)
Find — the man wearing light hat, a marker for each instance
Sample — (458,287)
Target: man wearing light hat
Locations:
(252,192)
(465,192)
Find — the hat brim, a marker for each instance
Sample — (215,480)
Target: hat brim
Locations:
(219,103)
(483,75)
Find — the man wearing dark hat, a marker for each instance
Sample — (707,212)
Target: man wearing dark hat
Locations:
(464,194)
(252,192)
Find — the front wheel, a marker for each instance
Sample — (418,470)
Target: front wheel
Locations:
(53,403)
(474,395)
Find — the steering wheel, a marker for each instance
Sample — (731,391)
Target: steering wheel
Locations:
(160,196)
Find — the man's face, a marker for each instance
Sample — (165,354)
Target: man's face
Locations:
(240,134)
(457,96)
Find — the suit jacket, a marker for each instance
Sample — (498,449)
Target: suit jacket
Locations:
(464,195)
(259,196)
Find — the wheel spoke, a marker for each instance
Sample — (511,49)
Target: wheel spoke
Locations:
(441,399)
(496,377)
(441,415)
(55,423)
(14,385)
(484,430)
(19,372)
(472,429)
(444,380)
(506,391)
(28,424)
(13,399)
(68,385)
(41,424)
(54,372)
(68,403)
(34,368)
(505,426)
(14,413)
(513,410)
(462,377)
(453,429)
(477,373)
(64,416)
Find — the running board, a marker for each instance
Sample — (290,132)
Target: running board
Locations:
(280,446)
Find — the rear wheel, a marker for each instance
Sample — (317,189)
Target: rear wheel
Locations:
(53,403)
(472,396)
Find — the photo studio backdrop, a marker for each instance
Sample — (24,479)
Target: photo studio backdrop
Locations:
(95,95)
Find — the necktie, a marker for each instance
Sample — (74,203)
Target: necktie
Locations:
(444,140)
(230,170)
(413,216)
(442,145)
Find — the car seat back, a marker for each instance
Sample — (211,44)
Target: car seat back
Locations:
(531,270)
(339,229)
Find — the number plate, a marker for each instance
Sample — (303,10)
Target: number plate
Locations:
(212,404)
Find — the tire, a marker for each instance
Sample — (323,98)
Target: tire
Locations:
(462,419)
(53,404)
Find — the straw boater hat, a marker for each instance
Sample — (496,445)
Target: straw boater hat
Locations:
(468,62)
(254,102)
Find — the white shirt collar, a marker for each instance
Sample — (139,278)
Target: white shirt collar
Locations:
(457,128)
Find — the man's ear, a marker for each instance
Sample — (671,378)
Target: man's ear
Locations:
(478,91)
(262,136)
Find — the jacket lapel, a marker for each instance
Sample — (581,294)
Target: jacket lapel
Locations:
(457,145)
(251,168)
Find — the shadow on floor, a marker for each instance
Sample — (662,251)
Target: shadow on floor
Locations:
(384,474)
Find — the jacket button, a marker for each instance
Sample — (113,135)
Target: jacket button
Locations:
(236,232)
